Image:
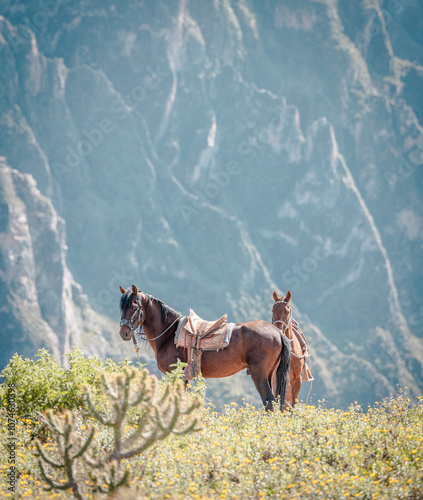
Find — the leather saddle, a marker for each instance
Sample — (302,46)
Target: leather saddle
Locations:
(197,335)
(201,328)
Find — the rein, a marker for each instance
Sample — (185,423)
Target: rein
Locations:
(158,336)
(295,327)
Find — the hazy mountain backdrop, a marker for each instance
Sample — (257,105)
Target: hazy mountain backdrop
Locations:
(211,151)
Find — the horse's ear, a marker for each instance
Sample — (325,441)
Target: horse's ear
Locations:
(134,290)
(122,289)
(275,296)
(288,296)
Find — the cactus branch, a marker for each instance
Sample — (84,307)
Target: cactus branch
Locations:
(67,440)
(160,410)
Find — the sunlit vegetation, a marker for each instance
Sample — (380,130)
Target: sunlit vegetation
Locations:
(242,452)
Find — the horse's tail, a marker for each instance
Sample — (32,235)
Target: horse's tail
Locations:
(282,372)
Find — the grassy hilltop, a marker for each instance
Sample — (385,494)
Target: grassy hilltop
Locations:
(242,452)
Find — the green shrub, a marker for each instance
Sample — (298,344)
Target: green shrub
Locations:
(197,386)
(42,383)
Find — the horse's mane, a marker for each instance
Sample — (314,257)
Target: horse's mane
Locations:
(165,309)
(126,301)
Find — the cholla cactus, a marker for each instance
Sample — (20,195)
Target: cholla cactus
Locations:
(71,446)
(160,413)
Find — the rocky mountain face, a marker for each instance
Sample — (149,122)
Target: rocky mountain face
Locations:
(42,305)
(211,152)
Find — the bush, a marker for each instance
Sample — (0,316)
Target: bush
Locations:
(44,384)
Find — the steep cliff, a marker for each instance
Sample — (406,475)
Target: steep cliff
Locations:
(214,151)
(42,305)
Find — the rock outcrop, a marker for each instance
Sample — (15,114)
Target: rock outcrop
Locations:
(42,305)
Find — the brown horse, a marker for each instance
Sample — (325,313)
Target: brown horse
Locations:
(282,315)
(256,345)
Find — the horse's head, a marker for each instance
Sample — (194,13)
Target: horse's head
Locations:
(282,311)
(131,311)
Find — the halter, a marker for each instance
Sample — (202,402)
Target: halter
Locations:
(137,316)
(285,325)
(297,328)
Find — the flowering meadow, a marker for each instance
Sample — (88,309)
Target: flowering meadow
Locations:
(240,453)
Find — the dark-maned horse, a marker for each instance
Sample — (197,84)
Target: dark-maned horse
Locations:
(282,316)
(257,345)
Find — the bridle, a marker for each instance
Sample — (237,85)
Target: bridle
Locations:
(138,315)
(295,326)
(285,325)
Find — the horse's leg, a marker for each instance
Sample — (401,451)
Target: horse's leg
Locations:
(296,380)
(288,400)
(273,383)
(296,387)
(289,393)
(263,388)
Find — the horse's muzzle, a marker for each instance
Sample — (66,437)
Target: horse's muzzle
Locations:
(125,333)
